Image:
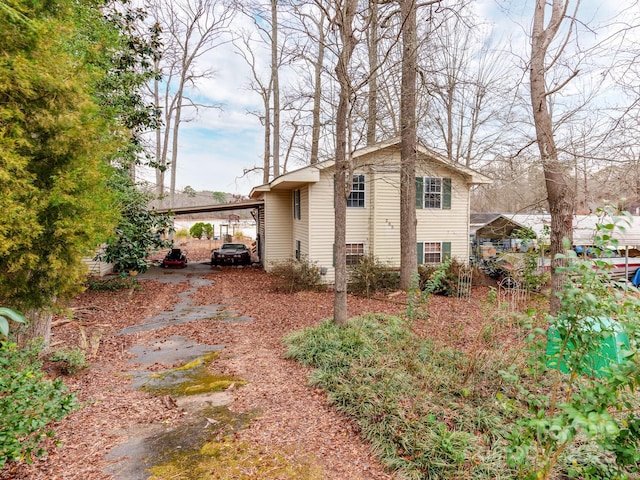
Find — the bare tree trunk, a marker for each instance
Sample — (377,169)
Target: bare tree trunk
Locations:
(275,85)
(266,159)
(174,147)
(38,326)
(317,91)
(160,164)
(408,249)
(344,18)
(555,173)
(372,50)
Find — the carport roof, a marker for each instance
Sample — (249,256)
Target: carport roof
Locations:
(492,225)
(220,207)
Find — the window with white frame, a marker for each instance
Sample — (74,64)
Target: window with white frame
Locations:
(432,192)
(356,197)
(433,252)
(297,213)
(355,251)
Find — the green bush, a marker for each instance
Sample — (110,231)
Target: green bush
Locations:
(181,234)
(448,284)
(28,403)
(371,275)
(201,229)
(586,424)
(297,275)
(71,360)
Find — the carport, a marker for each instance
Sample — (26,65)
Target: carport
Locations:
(256,207)
(491,233)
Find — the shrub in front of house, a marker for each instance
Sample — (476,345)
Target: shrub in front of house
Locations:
(296,275)
(371,275)
(448,285)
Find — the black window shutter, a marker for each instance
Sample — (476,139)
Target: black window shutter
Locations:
(420,251)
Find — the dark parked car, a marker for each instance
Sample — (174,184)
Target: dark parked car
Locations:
(231,254)
(175,258)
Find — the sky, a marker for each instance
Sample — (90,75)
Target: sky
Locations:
(217,145)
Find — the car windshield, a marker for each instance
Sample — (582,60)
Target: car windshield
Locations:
(233,245)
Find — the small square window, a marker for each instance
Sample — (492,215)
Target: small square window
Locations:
(355,251)
(432,252)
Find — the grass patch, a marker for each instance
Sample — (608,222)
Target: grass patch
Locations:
(431,412)
(424,413)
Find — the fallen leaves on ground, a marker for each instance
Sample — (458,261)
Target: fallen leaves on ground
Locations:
(292,416)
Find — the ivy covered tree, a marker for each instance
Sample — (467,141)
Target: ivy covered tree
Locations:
(139,231)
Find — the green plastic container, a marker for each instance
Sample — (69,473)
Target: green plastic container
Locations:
(610,349)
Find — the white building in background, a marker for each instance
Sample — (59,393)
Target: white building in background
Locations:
(222,226)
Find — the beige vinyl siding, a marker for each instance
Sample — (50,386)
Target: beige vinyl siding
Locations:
(278,212)
(386,216)
(301,227)
(97,268)
(358,217)
(321,224)
(377,225)
(442,225)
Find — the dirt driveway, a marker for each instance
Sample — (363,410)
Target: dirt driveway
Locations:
(181,315)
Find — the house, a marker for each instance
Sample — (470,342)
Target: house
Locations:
(297,217)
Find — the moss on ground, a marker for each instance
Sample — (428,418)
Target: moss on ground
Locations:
(227,459)
(192,378)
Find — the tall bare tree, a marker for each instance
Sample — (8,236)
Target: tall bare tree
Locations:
(191,29)
(408,250)
(275,87)
(372,53)
(262,88)
(344,18)
(556,174)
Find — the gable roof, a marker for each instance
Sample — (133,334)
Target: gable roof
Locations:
(492,225)
(311,173)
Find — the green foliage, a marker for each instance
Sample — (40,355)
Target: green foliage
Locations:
(371,275)
(120,282)
(219,197)
(6,315)
(139,231)
(297,275)
(424,415)
(126,64)
(29,402)
(441,279)
(182,234)
(71,360)
(200,229)
(54,143)
(586,424)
